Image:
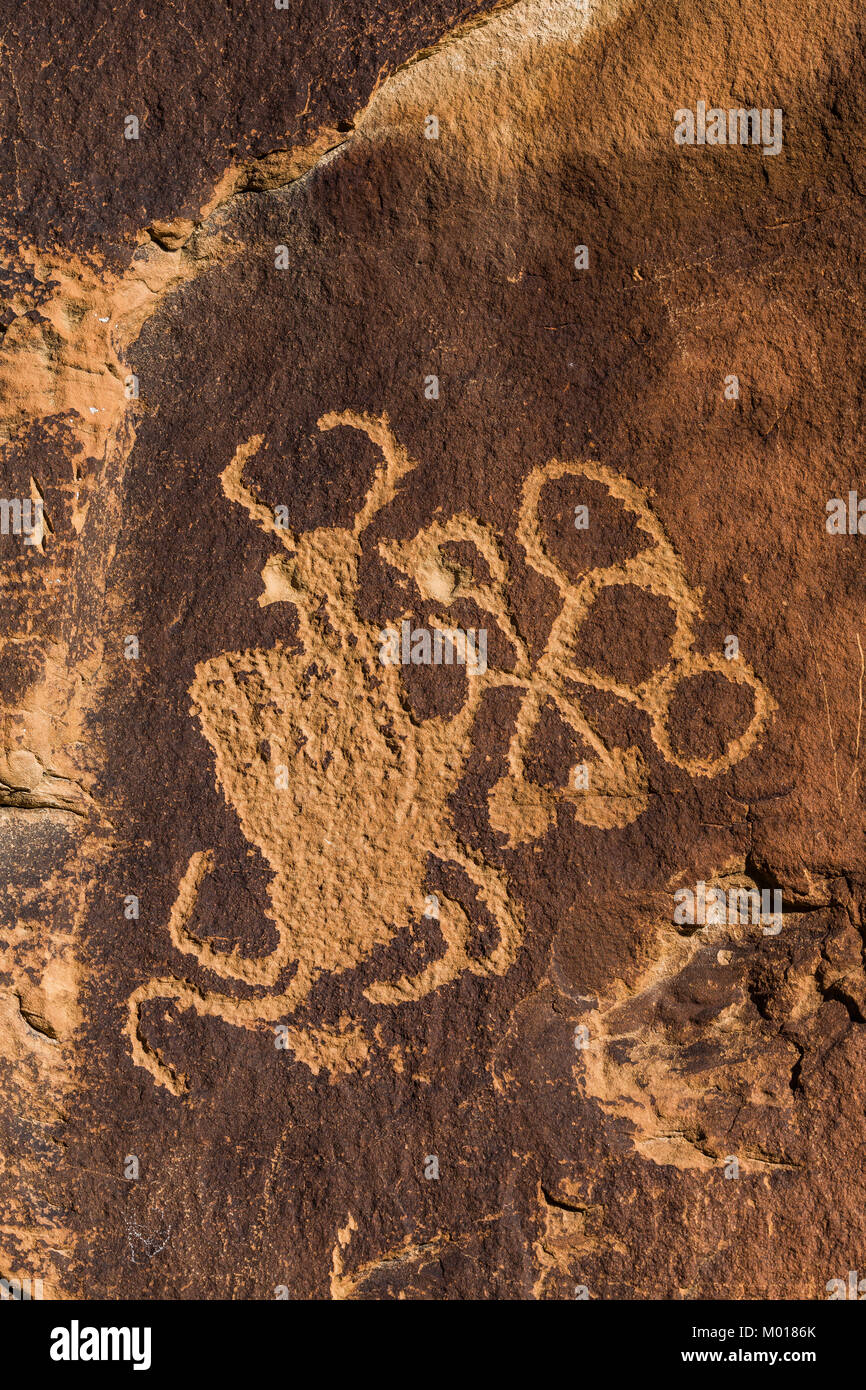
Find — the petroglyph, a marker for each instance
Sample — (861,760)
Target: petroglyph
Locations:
(363,807)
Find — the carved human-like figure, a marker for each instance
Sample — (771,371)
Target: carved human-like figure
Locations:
(353,800)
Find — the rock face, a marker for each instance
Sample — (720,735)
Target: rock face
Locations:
(427,635)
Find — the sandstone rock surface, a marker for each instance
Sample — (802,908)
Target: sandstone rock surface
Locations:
(362,979)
